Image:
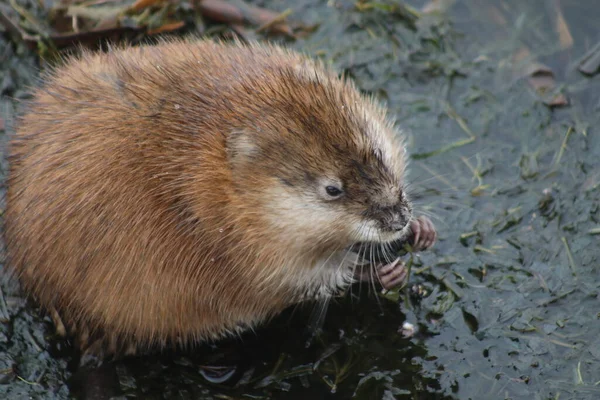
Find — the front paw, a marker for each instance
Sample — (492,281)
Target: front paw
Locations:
(423,234)
(392,275)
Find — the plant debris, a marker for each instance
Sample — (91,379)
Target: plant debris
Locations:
(503,127)
(89,23)
(541,79)
(590,62)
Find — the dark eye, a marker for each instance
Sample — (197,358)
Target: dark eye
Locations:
(333,191)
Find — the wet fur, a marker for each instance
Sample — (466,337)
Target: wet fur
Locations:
(152,198)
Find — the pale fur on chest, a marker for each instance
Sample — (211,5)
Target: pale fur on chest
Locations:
(326,278)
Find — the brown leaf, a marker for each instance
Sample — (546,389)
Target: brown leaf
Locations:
(541,79)
(141,4)
(564,35)
(239,12)
(221,11)
(539,76)
(168,27)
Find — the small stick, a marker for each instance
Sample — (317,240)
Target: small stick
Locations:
(278,19)
(594,231)
(4,315)
(444,149)
(563,146)
(570,256)
(439,177)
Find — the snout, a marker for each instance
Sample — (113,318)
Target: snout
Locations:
(397,223)
(394,219)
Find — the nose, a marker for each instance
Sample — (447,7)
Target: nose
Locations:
(393,219)
(397,222)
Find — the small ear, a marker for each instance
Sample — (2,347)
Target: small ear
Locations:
(240,148)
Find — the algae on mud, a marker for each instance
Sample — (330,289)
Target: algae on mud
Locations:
(508,303)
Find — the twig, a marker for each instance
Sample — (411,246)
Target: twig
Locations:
(4,316)
(444,149)
(570,256)
(563,146)
(278,19)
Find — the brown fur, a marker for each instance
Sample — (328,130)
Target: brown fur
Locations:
(151,194)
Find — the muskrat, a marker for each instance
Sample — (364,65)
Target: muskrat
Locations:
(179,192)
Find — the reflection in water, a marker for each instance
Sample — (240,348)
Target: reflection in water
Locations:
(507,306)
(356,344)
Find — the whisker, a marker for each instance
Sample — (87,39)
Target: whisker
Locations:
(361,257)
(317,316)
(372,270)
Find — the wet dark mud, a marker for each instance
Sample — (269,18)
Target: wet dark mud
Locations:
(503,129)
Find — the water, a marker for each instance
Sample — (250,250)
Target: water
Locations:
(508,304)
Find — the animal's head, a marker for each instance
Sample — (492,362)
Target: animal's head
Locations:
(321,161)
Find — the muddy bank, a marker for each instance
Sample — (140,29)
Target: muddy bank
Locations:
(505,156)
